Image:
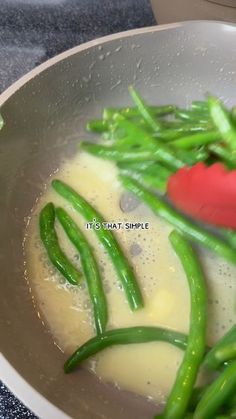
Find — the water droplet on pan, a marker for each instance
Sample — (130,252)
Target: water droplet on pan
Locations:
(135,249)
(128,202)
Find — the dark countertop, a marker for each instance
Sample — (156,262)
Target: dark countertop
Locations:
(33,31)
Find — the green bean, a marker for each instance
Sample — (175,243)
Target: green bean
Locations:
(230,236)
(138,140)
(50,240)
(144,110)
(200,105)
(129,112)
(226,353)
(140,166)
(130,335)
(147,179)
(159,170)
(171,134)
(130,132)
(231,402)
(1,121)
(196,396)
(191,157)
(217,393)
(151,168)
(189,228)
(161,153)
(211,360)
(233,113)
(184,114)
(198,393)
(90,269)
(108,240)
(196,140)
(222,120)
(151,175)
(97,125)
(181,392)
(183,125)
(228,158)
(131,135)
(232,412)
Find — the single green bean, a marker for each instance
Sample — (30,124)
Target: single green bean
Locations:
(217,393)
(171,134)
(200,105)
(161,153)
(191,157)
(154,169)
(233,113)
(196,396)
(222,120)
(181,392)
(196,140)
(108,240)
(159,170)
(97,125)
(50,240)
(198,393)
(184,114)
(129,131)
(1,122)
(232,412)
(137,334)
(230,236)
(147,179)
(144,110)
(228,158)
(90,269)
(183,125)
(189,228)
(211,360)
(140,166)
(226,353)
(130,112)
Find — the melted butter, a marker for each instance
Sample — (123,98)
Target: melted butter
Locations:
(147,369)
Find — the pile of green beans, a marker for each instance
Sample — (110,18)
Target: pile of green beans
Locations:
(207,130)
(108,240)
(149,143)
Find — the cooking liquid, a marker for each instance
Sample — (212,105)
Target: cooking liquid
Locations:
(147,369)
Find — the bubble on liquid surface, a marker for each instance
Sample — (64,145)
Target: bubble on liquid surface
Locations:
(128,202)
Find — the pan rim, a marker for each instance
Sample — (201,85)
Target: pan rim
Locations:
(13,88)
